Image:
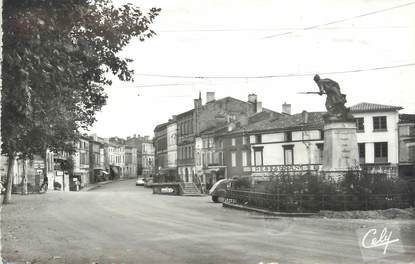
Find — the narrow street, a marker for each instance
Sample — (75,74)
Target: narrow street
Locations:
(122,223)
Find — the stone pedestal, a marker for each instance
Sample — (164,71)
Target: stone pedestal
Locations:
(340,147)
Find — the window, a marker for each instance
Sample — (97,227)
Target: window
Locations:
(258,156)
(381,152)
(379,123)
(244,158)
(288,154)
(362,152)
(210,142)
(288,136)
(360,124)
(233,159)
(84,159)
(320,151)
(233,141)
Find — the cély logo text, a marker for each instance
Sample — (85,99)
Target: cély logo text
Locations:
(373,239)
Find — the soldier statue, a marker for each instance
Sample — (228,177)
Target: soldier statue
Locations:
(335,101)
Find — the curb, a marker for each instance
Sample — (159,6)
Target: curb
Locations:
(263,211)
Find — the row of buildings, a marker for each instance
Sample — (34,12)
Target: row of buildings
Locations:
(95,159)
(229,138)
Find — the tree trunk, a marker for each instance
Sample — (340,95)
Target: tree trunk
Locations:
(8,194)
(24,179)
(45,164)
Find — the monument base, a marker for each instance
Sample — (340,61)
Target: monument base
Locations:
(340,152)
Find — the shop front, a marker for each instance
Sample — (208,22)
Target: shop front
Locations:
(115,172)
(213,174)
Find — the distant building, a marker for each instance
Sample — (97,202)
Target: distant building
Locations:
(97,159)
(407,146)
(161,158)
(172,147)
(185,145)
(287,140)
(237,145)
(377,136)
(130,162)
(145,154)
(210,163)
(115,157)
(81,161)
(147,159)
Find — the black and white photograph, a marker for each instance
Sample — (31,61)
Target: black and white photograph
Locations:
(207,132)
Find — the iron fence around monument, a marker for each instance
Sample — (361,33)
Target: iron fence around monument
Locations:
(314,203)
(307,189)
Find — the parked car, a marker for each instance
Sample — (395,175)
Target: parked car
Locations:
(140,182)
(219,189)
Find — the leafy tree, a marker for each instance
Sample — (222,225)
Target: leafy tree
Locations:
(57,56)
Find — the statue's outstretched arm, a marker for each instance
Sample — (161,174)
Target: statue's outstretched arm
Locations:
(320,87)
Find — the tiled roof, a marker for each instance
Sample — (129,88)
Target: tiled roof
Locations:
(161,126)
(185,113)
(368,107)
(406,118)
(286,122)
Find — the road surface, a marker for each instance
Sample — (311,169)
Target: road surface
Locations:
(122,223)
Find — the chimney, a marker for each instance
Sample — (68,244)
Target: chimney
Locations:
(286,108)
(252,98)
(210,96)
(305,117)
(197,103)
(258,107)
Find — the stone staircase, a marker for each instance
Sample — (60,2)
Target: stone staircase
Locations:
(190,189)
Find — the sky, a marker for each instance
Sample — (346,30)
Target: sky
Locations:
(245,39)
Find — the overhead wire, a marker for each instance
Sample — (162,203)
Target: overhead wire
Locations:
(341,20)
(278,75)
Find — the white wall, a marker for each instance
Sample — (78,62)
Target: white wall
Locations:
(370,137)
(305,151)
